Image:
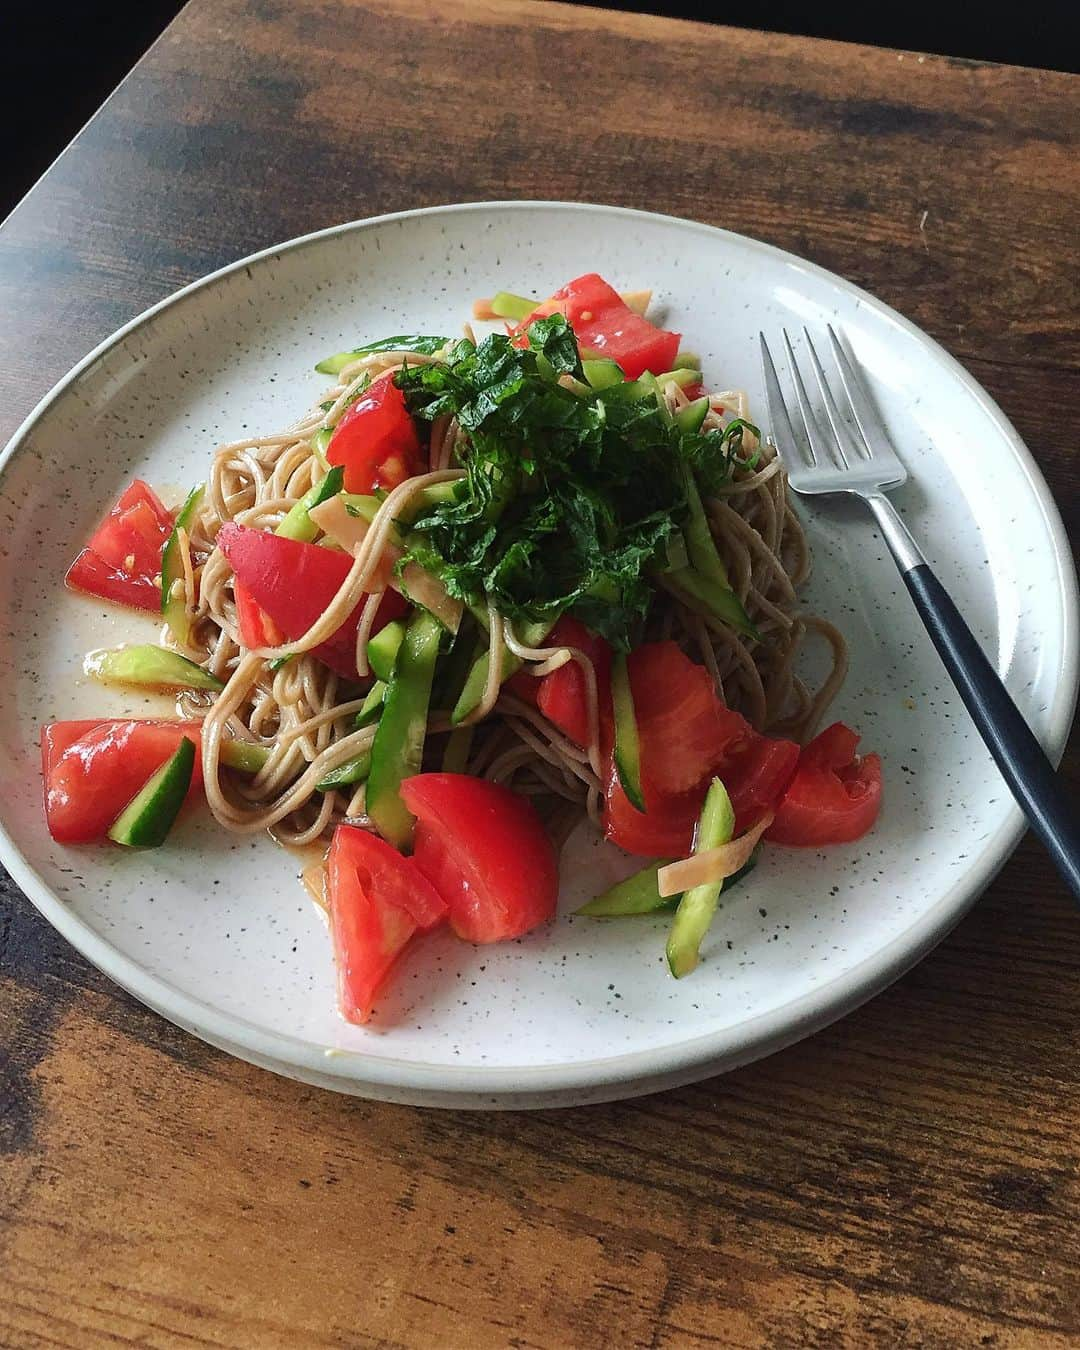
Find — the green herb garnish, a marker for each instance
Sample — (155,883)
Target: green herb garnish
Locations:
(571,494)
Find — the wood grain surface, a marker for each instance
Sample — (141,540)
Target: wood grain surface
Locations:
(909,1176)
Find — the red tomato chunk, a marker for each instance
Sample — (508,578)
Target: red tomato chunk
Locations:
(122,562)
(484,850)
(665,830)
(563,697)
(688,736)
(834,797)
(378,901)
(293,583)
(92,770)
(605,324)
(376,440)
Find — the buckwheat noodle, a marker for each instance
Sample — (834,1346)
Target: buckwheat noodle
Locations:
(296,709)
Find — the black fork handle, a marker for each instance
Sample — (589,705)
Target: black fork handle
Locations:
(1022,761)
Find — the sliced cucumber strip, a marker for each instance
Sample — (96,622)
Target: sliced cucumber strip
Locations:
(365,505)
(690,418)
(173,598)
(709,598)
(147,819)
(627,746)
(476,681)
(298,523)
(243,755)
(699,541)
(603,373)
(682,376)
(638,894)
(382,649)
(319,441)
(698,905)
(399,738)
(509,306)
(425,344)
(149,666)
(354,770)
(372,705)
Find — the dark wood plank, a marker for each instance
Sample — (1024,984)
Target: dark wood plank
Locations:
(908,1176)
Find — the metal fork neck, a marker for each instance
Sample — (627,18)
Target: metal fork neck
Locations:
(902,546)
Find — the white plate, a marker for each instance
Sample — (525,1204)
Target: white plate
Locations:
(216,933)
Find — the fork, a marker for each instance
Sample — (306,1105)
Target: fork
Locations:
(852,452)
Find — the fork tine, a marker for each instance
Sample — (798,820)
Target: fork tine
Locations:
(841,430)
(870,424)
(819,442)
(782,428)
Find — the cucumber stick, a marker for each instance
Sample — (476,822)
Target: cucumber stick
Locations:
(354,770)
(174,608)
(319,442)
(153,667)
(706,579)
(699,541)
(638,894)
(298,523)
(244,756)
(454,666)
(602,373)
(709,598)
(365,505)
(382,649)
(372,705)
(476,680)
(690,418)
(683,376)
(698,905)
(398,747)
(509,306)
(412,342)
(147,819)
(627,746)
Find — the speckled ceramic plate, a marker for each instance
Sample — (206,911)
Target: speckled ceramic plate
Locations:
(217,935)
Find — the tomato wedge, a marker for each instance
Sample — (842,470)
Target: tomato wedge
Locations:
(683,727)
(604,323)
(376,440)
(484,850)
(562,695)
(756,773)
(293,583)
(122,561)
(687,735)
(378,900)
(92,770)
(834,797)
(665,830)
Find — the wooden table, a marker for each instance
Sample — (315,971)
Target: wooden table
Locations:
(907,1177)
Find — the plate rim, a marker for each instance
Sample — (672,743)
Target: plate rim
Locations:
(699,1056)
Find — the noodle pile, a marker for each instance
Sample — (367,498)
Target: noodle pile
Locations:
(298,710)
